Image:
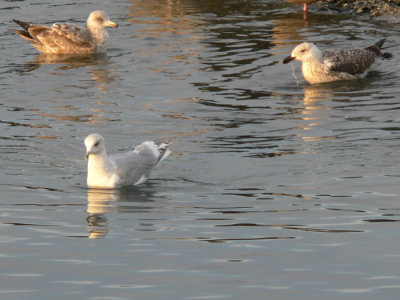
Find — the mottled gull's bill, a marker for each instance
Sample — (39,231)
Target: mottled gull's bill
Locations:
(66,38)
(123,169)
(335,64)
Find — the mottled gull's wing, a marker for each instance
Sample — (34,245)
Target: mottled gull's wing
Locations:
(352,61)
(26,34)
(59,38)
(134,167)
(68,37)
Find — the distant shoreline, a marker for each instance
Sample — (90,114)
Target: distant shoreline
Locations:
(362,7)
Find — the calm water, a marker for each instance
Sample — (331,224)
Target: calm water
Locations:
(275,189)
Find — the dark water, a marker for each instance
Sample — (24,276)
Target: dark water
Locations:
(275,189)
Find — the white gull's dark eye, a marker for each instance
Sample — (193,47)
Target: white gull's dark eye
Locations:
(96,144)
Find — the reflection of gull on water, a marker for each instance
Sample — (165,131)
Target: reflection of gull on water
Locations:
(123,169)
(66,38)
(67,61)
(72,61)
(98,205)
(335,64)
(97,66)
(104,202)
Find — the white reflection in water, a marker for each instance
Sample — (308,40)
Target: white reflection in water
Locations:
(102,202)
(98,205)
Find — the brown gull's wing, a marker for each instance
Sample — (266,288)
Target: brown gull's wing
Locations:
(63,38)
(352,61)
(67,38)
(26,32)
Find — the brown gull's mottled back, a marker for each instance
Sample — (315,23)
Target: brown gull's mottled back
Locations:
(66,38)
(335,64)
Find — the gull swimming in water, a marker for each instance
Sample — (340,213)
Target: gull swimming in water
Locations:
(335,64)
(122,169)
(67,38)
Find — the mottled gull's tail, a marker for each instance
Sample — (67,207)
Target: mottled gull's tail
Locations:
(24,25)
(24,33)
(380,43)
(377,47)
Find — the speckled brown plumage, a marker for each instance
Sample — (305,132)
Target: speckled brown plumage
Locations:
(66,38)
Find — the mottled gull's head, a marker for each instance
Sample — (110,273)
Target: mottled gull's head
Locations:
(94,144)
(99,20)
(304,52)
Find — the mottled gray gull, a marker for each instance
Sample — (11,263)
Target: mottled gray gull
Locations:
(335,64)
(122,169)
(67,38)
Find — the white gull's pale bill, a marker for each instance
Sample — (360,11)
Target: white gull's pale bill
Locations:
(122,169)
(67,38)
(335,64)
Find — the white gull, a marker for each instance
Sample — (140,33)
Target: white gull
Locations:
(122,169)
(335,64)
(67,38)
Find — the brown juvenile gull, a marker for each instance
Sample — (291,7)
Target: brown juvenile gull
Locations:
(304,2)
(67,38)
(122,169)
(335,64)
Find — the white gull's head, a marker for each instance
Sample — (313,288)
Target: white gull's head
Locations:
(304,52)
(99,20)
(94,145)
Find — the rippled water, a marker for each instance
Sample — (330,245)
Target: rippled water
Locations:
(275,189)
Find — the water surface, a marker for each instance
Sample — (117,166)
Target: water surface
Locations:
(275,189)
